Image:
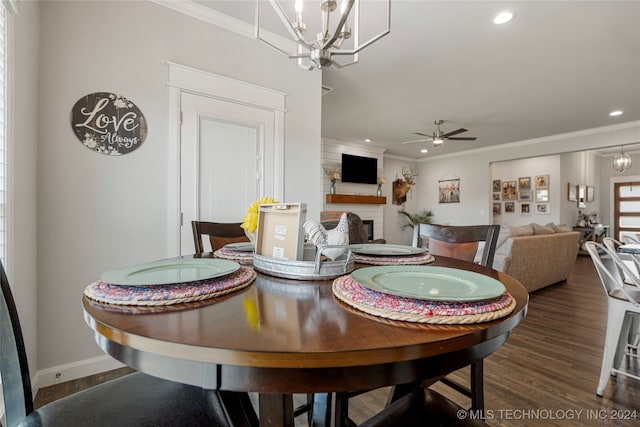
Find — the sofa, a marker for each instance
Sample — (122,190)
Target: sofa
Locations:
(537,255)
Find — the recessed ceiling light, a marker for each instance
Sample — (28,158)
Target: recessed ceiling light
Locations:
(503,17)
(615,113)
(424,150)
(367,140)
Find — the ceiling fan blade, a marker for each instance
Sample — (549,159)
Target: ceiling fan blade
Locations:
(470,138)
(454,132)
(422,134)
(416,140)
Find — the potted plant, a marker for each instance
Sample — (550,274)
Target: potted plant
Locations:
(425,216)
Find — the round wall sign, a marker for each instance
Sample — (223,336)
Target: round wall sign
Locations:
(108,123)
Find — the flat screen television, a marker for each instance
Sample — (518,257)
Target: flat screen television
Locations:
(362,170)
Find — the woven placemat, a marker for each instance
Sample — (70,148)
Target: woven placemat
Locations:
(241,257)
(417,310)
(170,294)
(422,258)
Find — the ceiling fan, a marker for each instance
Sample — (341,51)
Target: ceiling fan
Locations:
(438,137)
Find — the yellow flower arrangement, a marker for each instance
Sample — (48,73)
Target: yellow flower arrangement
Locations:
(381,180)
(250,222)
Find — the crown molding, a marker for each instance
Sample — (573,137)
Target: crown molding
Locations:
(544,139)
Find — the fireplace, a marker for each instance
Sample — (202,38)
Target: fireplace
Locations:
(368,225)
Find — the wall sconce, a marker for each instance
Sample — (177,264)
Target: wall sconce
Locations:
(621,161)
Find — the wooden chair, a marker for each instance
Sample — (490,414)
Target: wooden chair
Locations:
(220,234)
(462,242)
(134,399)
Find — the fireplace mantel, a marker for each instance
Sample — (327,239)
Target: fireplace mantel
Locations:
(356,199)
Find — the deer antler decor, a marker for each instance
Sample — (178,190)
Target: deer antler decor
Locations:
(402,186)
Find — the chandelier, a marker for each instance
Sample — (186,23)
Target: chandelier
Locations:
(621,161)
(318,53)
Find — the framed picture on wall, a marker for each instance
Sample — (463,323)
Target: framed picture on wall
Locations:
(509,207)
(524,195)
(496,185)
(542,208)
(509,190)
(449,191)
(572,194)
(525,208)
(524,184)
(590,193)
(496,197)
(542,195)
(582,196)
(542,181)
(497,208)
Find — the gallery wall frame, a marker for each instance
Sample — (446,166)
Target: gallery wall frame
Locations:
(572,195)
(591,191)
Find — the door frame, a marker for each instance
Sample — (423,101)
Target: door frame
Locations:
(182,78)
(613,230)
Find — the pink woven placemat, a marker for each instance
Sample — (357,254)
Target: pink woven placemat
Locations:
(419,310)
(422,258)
(241,257)
(170,294)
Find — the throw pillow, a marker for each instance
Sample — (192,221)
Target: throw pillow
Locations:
(463,251)
(560,228)
(542,229)
(507,231)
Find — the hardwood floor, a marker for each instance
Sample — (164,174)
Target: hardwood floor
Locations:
(546,374)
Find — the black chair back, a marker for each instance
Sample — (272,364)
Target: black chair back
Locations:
(14,370)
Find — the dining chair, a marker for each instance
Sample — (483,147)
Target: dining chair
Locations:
(357,231)
(623,312)
(631,260)
(220,234)
(462,242)
(132,400)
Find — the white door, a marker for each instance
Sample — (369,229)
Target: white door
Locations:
(226,161)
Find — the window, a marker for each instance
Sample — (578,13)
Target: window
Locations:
(626,208)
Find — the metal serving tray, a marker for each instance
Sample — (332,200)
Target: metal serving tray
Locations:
(312,267)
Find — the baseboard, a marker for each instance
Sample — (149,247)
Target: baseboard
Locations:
(73,371)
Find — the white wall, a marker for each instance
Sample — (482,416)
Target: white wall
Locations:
(96,212)
(23,119)
(473,167)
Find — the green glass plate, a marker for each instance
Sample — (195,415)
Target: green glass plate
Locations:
(384,249)
(429,282)
(170,271)
(240,246)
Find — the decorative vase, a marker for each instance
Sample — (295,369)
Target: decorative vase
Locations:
(251,236)
(332,188)
(379,191)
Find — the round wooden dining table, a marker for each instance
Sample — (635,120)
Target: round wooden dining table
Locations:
(278,337)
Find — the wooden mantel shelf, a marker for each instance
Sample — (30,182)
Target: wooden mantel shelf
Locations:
(352,198)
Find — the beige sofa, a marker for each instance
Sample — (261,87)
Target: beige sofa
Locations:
(536,255)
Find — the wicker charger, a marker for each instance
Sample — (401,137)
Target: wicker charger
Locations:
(406,309)
(156,295)
(241,257)
(418,259)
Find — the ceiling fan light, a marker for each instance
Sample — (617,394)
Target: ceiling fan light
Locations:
(621,161)
(437,141)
